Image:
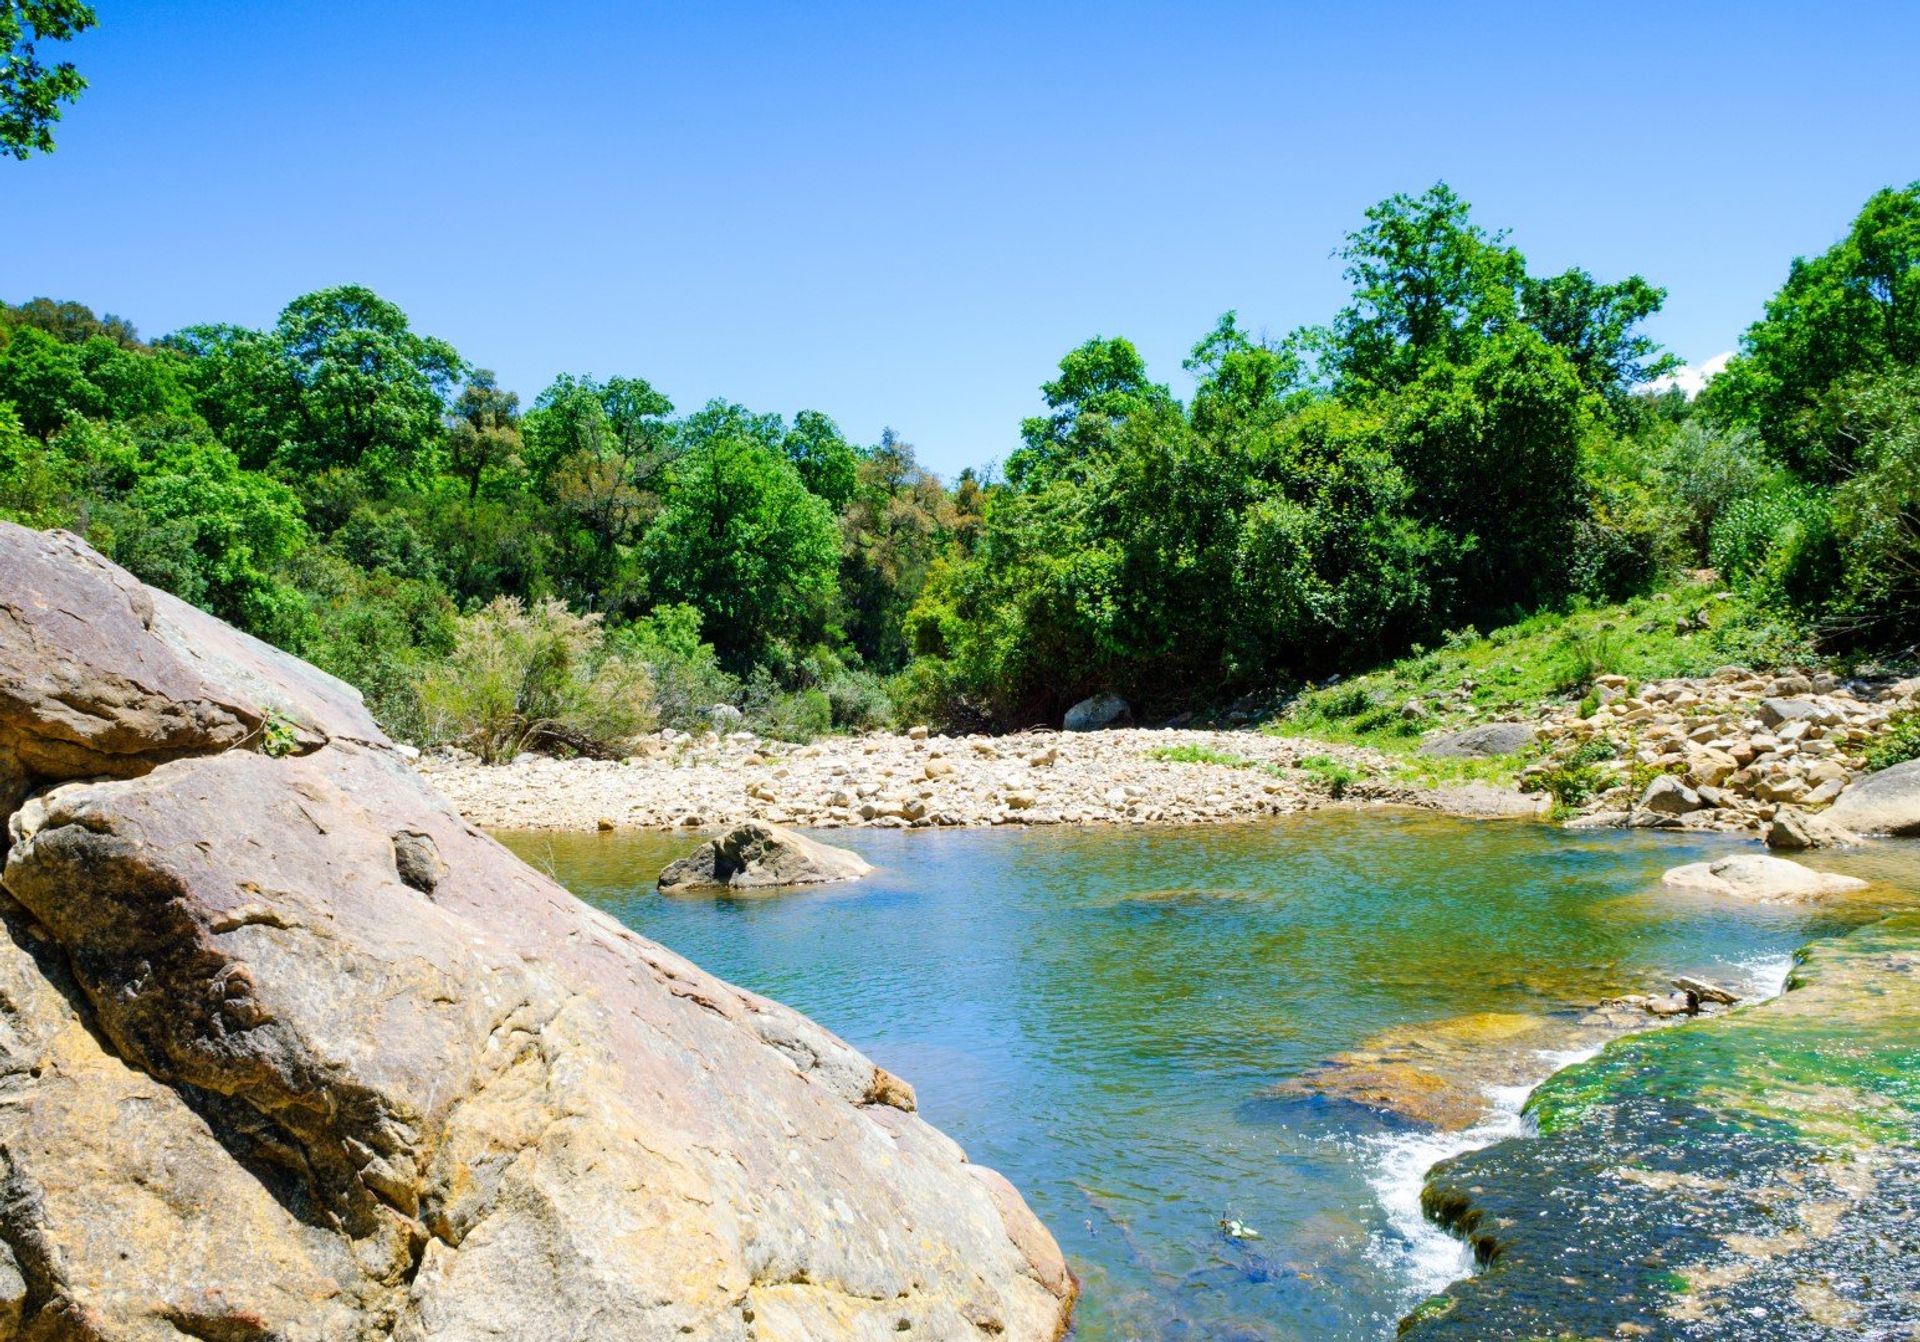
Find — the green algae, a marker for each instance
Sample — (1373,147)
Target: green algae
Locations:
(1755,1176)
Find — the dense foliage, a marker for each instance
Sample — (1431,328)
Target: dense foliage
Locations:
(1463,444)
(31,90)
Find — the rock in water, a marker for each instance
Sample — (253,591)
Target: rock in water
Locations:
(759,856)
(1754,876)
(293,1051)
(1887,802)
(1793,830)
(1097,713)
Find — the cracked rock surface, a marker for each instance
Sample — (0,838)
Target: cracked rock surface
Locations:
(289,1050)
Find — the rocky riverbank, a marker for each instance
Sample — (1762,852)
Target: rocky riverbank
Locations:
(1117,776)
(1734,751)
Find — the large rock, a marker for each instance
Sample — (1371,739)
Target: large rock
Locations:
(1488,739)
(759,856)
(1667,795)
(1887,802)
(1792,830)
(1098,713)
(1756,876)
(289,1050)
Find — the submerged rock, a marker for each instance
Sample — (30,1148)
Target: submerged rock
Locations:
(293,1051)
(757,856)
(1887,802)
(1444,1072)
(1758,877)
(1747,1179)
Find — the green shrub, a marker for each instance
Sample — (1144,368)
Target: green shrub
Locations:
(687,678)
(1900,744)
(536,677)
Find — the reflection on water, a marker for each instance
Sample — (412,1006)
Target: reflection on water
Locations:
(1097,1013)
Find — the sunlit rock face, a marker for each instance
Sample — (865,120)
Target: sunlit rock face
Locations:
(289,1050)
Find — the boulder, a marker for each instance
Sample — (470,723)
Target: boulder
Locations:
(1777,712)
(293,1051)
(1492,738)
(1887,802)
(1758,877)
(1485,801)
(759,856)
(1791,830)
(1667,795)
(1096,714)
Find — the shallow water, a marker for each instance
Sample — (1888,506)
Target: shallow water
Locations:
(1096,1013)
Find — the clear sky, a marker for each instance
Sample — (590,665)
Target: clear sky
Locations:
(904,214)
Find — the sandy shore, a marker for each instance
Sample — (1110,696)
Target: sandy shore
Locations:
(1031,778)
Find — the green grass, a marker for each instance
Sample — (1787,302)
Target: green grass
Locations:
(1199,755)
(1334,775)
(1552,655)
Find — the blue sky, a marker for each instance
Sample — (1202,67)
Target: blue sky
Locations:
(904,214)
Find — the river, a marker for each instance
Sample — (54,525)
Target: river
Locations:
(1103,1015)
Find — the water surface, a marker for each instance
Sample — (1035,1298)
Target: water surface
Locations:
(1098,1012)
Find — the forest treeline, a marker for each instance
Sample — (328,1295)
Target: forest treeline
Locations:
(1465,441)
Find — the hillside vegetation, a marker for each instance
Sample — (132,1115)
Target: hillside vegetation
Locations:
(1465,445)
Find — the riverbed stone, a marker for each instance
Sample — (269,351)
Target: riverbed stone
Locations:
(1756,876)
(761,856)
(1668,796)
(1489,739)
(274,1072)
(1887,802)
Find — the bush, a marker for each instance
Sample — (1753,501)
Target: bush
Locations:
(536,677)
(1900,744)
(687,679)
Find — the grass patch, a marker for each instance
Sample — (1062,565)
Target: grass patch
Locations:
(1336,776)
(1551,655)
(1199,755)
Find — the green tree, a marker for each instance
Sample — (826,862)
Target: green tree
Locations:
(601,451)
(1597,326)
(369,392)
(1241,382)
(1854,309)
(1101,384)
(1493,451)
(31,92)
(483,431)
(742,539)
(1429,287)
(827,462)
(214,534)
(897,521)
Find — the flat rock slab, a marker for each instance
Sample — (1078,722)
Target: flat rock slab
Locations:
(1887,802)
(1493,738)
(1758,877)
(758,856)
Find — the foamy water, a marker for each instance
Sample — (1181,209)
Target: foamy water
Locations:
(1412,1248)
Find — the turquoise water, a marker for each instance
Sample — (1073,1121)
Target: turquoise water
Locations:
(1098,1013)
